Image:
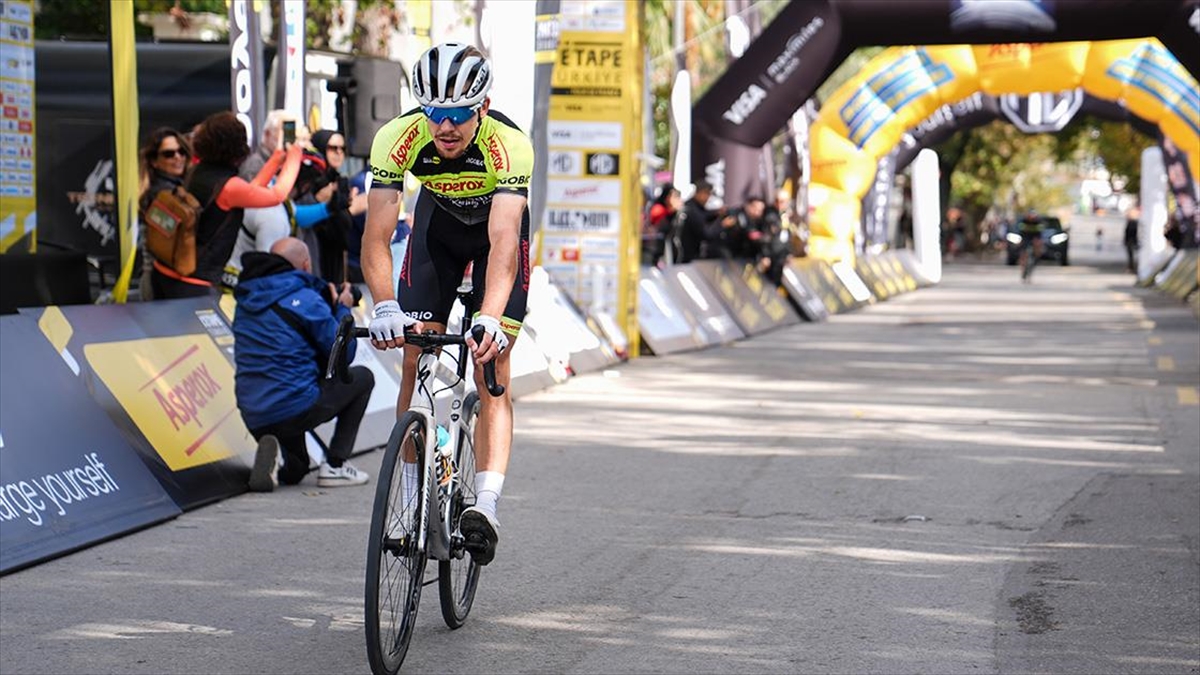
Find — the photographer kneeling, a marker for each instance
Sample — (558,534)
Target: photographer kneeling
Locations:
(283,330)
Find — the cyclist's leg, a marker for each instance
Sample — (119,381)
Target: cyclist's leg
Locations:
(493,433)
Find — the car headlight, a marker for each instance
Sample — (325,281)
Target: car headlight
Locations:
(1058,238)
(1013,238)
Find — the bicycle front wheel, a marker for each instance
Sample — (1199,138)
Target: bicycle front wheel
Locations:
(395,559)
(458,577)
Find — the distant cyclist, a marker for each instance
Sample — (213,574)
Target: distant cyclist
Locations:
(475,167)
(1030,228)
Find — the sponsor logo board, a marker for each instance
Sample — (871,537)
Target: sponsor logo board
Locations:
(599,192)
(576,134)
(565,163)
(583,220)
(603,163)
(179,398)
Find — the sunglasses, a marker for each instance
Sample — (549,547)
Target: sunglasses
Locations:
(458,116)
(335,148)
(170,154)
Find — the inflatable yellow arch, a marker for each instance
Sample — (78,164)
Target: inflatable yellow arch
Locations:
(866,117)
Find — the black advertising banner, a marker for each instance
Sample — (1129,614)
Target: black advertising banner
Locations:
(1186,219)
(940,22)
(735,171)
(67,477)
(805,298)
(754,99)
(820,276)
(246,69)
(692,290)
(1180,33)
(751,300)
(178,85)
(163,371)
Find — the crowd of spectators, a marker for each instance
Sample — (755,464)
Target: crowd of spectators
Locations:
(274,227)
(678,231)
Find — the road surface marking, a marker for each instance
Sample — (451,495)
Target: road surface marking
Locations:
(1188,395)
(1166,363)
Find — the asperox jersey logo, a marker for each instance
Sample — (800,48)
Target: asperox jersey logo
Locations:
(455,185)
(404,146)
(498,154)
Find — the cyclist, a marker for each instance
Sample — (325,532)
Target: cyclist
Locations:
(1030,228)
(474,166)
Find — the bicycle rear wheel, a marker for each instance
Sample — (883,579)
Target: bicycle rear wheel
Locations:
(459,577)
(395,563)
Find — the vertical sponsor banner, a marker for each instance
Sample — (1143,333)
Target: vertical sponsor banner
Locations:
(18,167)
(125,137)
(545,49)
(67,477)
(291,59)
(246,68)
(593,197)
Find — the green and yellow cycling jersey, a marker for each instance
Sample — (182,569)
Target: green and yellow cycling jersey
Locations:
(499,159)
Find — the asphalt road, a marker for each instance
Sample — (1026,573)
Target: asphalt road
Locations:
(976,477)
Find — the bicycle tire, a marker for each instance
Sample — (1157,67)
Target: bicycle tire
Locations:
(395,567)
(458,578)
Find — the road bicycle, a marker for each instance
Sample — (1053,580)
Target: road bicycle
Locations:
(404,536)
(1031,252)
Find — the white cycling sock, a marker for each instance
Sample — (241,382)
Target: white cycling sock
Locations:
(410,478)
(488,485)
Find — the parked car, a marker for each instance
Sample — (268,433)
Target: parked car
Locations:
(1055,239)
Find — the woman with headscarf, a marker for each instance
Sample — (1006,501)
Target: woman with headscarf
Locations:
(330,216)
(220,141)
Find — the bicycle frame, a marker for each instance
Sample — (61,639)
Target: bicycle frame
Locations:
(438,542)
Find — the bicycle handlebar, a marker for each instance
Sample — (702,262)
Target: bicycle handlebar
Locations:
(347,330)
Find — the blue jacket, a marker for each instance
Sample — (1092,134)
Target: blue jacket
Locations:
(278,365)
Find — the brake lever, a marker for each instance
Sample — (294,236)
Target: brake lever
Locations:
(489,368)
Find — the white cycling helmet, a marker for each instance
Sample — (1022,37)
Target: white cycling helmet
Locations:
(450,75)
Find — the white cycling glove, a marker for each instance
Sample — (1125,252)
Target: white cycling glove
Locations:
(492,325)
(388,321)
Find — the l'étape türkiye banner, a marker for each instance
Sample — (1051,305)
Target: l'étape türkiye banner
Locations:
(164,373)
(593,199)
(18,199)
(67,476)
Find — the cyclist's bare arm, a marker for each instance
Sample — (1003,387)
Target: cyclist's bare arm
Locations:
(504,233)
(383,210)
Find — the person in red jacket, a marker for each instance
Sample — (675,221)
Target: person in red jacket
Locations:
(220,143)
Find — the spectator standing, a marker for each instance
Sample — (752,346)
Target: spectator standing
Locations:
(345,202)
(261,227)
(699,224)
(740,231)
(163,162)
(661,224)
(283,331)
(773,243)
(1131,238)
(220,141)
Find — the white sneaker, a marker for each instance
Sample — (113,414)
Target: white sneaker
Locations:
(346,474)
(264,475)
